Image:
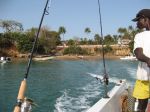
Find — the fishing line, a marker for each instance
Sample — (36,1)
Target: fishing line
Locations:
(105,76)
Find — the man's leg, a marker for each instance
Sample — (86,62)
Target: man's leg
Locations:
(142,105)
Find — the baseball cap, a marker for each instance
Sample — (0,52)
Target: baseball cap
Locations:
(142,13)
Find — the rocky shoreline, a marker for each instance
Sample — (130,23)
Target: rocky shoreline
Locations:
(116,54)
(72,57)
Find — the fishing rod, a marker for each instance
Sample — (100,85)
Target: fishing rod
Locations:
(105,75)
(22,101)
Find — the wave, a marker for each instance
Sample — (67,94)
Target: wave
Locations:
(100,77)
(77,102)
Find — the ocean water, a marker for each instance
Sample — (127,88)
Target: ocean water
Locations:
(61,86)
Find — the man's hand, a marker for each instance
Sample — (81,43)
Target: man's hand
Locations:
(141,57)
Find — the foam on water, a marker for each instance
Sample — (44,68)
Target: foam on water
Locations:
(77,103)
(132,72)
(111,79)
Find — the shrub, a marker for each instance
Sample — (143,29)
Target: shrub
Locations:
(75,50)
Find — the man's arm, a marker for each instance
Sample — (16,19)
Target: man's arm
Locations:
(141,57)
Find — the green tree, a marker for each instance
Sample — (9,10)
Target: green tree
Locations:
(131,44)
(122,31)
(47,41)
(50,41)
(128,33)
(75,50)
(8,38)
(115,37)
(87,30)
(10,25)
(98,39)
(83,41)
(62,31)
(108,40)
(71,42)
(24,44)
(90,42)
(5,41)
(31,33)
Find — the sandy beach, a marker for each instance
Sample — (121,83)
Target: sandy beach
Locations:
(72,57)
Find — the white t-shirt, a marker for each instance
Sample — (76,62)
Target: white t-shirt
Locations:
(142,40)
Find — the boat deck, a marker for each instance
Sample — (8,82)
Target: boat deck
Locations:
(111,104)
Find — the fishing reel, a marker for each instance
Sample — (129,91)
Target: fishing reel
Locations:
(103,80)
(27,104)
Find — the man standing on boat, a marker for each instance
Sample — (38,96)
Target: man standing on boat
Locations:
(142,51)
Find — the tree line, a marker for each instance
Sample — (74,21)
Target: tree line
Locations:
(14,37)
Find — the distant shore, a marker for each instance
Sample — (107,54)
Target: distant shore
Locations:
(75,57)
(67,57)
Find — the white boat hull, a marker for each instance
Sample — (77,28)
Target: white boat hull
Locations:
(5,59)
(129,58)
(111,104)
(42,58)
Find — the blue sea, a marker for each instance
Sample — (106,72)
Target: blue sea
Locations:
(60,85)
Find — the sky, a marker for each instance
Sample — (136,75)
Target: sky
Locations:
(74,15)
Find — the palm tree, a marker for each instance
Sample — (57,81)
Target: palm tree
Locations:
(87,30)
(128,33)
(116,37)
(122,31)
(132,32)
(62,30)
(130,28)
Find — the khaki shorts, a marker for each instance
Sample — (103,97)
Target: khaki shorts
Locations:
(141,89)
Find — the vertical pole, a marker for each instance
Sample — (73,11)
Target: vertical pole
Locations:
(103,53)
